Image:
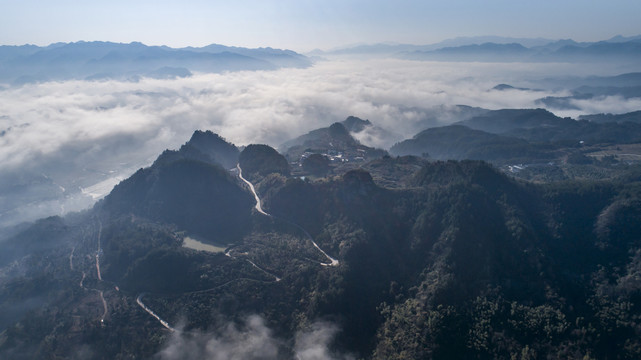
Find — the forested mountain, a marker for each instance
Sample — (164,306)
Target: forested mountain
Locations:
(607,118)
(457,142)
(539,125)
(216,148)
(536,145)
(262,160)
(412,259)
(336,141)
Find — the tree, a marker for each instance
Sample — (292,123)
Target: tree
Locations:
(316,164)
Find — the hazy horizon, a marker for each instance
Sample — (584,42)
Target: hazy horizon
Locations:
(306,25)
(470,37)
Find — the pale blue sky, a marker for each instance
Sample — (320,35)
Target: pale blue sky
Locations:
(305,24)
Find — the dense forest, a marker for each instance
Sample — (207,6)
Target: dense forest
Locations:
(434,259)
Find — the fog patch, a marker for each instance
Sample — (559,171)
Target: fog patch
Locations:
(83,352)
(600,105)
(250,340)
(313,343)
(14,311)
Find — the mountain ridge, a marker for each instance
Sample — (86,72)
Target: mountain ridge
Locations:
(533,49)
(457,261)
(81,60)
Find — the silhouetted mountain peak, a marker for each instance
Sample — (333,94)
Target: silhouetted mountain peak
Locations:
(501,87)
(196,196)
(619,49)
(338,131)
(486,47)
(214,146)
(335,139)
(80,60)
(355,124)
(335,136)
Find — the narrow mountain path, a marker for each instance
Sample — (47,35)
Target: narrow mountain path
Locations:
(276,278)
(150,312)
(332,261)
(99,251)
(104,306)
(73,249)
(166,324)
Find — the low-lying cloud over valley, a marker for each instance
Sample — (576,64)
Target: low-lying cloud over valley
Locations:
(73,135)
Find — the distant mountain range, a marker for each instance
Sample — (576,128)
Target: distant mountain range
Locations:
(555,51)
(387,48)
(503,49)
(108,60)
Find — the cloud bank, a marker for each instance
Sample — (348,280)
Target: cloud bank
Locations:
(250,106)
(73,135)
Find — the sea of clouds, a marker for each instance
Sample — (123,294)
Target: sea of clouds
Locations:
(80,134)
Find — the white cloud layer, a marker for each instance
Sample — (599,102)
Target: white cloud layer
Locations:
(246,107)
(112,128)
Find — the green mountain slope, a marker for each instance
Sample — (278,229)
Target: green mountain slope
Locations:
(456,260)
(457,142)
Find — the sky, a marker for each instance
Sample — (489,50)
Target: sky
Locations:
(303,25)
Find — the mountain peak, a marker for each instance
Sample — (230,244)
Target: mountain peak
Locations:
(338,130)
(355,124)
(215,147)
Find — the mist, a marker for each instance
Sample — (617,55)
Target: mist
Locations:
(251,340)
(65,144)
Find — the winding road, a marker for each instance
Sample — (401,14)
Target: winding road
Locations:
(148,310)
(105,307)
(73,249)
(332,261)
(276,278)
(251,187)
(99,251)
(164,323)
